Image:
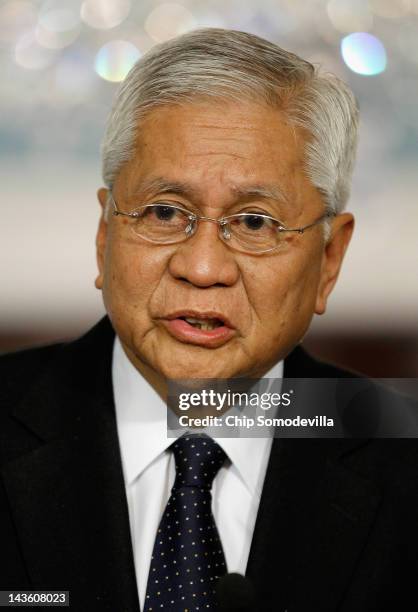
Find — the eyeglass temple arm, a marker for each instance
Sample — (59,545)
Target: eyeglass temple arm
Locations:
(300,230)
(116,212)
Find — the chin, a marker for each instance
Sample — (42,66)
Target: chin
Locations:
(196,371)
(196,363)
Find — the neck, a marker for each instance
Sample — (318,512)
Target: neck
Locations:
(157,382)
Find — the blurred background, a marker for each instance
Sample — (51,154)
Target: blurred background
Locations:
(61,62)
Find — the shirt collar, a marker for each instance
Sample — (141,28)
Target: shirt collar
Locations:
(141,417)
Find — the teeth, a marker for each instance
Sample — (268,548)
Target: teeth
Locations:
(205,324)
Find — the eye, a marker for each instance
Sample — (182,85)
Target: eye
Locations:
(161,214)
(164,213)
(254,222)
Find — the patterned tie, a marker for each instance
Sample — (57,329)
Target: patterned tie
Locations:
(188,558)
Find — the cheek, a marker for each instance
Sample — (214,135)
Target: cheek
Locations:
(132,273)
(303,288)
(284,292)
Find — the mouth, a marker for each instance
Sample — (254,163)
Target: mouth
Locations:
(209,329)
(205,324)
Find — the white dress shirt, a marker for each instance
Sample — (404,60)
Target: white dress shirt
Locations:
(149,471)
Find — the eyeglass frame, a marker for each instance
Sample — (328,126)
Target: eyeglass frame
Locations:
(222,223)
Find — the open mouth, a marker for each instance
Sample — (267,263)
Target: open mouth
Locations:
(204,324)
(209,329)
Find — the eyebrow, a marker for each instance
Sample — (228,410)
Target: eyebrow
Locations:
(269,192)
(161,185)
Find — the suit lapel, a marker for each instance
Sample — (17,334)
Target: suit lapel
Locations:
(314,518)
(77,535)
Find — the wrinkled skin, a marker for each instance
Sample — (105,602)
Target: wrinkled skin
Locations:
(217,149)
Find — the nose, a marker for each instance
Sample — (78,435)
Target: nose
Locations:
(204,260)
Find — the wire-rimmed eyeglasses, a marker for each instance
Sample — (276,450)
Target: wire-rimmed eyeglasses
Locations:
(249,232)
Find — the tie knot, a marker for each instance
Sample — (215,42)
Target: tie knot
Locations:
(198,460)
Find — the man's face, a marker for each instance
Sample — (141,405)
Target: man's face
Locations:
(211,158)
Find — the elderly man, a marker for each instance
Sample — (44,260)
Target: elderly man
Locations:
(227,164)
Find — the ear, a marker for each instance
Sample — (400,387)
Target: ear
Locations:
(335,248)
(101,237)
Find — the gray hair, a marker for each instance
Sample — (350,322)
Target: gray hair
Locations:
(232,65)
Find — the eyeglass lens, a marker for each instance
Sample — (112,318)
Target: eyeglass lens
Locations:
(167,224)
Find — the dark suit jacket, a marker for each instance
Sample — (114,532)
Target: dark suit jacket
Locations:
(337,527)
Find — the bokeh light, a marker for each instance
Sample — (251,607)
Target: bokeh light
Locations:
(15,17)
(364,53)
(350,15)
(55,40)
(115,59)
(29,54)
(105,14)
(168,20)
(59,16)
(58,24)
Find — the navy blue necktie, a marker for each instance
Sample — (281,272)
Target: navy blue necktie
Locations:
(188,559)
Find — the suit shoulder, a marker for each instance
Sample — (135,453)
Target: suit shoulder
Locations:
(32,358)
(301,364)
(19,369)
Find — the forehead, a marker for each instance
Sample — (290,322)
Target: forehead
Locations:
(217,146)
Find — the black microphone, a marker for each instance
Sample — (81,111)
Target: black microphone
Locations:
(235,593)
